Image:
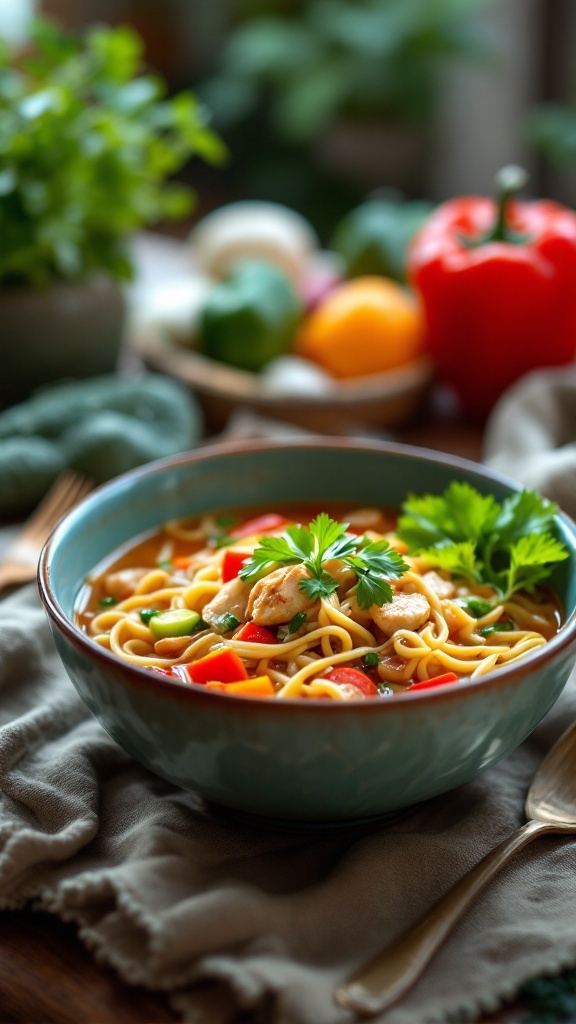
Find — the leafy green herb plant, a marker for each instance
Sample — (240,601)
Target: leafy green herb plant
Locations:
(373,562)
(88,145)
(510,546)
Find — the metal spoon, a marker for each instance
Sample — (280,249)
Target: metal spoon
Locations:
(550,807)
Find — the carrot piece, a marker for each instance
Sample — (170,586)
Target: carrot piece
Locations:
(254,634)
(222,665)
(181,561)
(426,684)
(259,686)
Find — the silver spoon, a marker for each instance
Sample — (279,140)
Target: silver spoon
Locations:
(550,807)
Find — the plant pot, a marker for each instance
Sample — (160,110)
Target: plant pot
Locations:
(64,331)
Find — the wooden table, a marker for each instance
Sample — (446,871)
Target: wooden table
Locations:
(46,974)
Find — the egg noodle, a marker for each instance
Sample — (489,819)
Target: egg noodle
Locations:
(335,632)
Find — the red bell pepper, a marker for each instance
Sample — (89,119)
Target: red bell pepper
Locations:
(265,523)
(222,665)
(428,684)
(232,563)
(253,634)
(496,280)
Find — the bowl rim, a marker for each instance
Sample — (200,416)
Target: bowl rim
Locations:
(137,674)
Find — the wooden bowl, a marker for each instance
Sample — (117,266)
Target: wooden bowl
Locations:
(379,400)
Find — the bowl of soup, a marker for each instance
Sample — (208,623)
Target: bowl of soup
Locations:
(315,633)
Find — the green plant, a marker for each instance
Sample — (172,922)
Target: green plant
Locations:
(351,58)
(551,129)
(87,146)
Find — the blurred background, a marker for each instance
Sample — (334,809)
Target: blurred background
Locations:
(323,102)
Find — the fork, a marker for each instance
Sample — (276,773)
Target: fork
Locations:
(20,560)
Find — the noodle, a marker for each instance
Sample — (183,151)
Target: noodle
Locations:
(181,569)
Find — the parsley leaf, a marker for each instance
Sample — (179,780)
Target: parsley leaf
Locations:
(373,562)
(510,546)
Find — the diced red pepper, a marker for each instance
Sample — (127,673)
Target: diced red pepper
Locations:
(222,665)
(265,523)
(426,684)
(232,563)
(253,634)
(353,677)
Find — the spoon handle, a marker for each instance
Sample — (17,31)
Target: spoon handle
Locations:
(391,973)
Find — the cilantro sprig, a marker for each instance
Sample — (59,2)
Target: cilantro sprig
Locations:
(510,546)
(373,562)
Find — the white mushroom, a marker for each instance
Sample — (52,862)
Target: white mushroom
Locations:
(277,598)
(232,598)
(404,611)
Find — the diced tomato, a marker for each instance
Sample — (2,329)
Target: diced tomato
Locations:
(222,665)
(353,677)
(427,684)
(259,686)
(232,563)
(265,523)
(254,634)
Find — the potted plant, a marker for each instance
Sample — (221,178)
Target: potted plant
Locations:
(88,144)
(354,80)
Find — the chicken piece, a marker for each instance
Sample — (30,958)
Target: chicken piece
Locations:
(443,588)
(123,584)
(362,519)
(232,598)
(277,598)
(404,611)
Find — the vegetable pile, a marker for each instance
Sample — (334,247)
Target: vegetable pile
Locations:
(269,292)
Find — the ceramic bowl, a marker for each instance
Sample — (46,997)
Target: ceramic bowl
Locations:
(310,763)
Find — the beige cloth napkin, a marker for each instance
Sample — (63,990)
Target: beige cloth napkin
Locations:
(531,434)
(232,922)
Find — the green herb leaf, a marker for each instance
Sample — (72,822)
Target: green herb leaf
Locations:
(317,587)
(498,627)
(476,607)
(107,602)
(509,546)
(374,562)
(298,621)
(458,559)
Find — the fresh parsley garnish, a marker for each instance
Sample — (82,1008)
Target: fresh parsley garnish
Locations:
(107,602)
(510,546)
(373,562)
(498,627)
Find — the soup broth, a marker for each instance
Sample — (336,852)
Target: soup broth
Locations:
(303,602)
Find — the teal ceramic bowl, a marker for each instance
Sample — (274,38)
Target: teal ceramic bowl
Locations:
(313,762)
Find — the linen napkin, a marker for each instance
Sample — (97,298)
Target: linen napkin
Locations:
(531,434)
(233,922)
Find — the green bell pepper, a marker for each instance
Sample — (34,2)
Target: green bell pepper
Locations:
(250,317)
(374,237)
